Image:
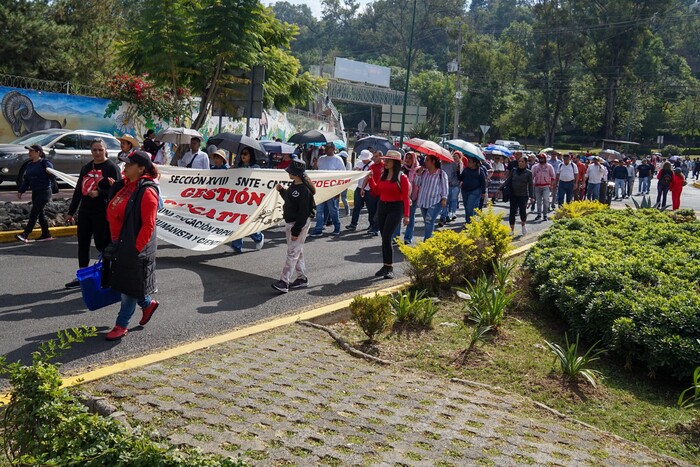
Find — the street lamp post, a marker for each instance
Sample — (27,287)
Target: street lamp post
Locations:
(408,73)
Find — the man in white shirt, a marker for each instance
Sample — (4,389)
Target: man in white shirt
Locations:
(363,162)
(329,208)
(596,174)
(567,179)
(195,158)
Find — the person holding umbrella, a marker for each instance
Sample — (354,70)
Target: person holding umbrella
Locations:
(473,181)
(433,190)
(247,161)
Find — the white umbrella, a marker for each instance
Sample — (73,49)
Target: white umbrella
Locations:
(610,155)
(178,135)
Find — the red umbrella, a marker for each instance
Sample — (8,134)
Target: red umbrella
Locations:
(429,148)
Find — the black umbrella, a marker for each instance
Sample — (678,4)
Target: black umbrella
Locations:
(235,143)
(377,143)
(313,136)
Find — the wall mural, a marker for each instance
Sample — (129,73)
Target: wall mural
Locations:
(28,110)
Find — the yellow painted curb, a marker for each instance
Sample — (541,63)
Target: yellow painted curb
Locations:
(696,184)
(11,235)
(138,362)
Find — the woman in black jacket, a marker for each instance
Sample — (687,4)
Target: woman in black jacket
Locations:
(36,178)
(298,204)
(522,189)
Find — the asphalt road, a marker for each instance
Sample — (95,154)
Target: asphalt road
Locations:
(201,294)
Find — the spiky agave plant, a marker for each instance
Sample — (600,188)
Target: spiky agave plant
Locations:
(572,364)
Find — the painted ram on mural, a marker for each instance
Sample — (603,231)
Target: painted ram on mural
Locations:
(19,112)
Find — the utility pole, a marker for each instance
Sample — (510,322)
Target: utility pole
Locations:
(458,84)
(408,74)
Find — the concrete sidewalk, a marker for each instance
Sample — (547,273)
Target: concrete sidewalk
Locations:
(290,396)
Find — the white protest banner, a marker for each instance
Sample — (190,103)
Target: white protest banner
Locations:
(205,208)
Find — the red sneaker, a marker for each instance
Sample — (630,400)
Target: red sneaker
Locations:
(148,312)
(117,333)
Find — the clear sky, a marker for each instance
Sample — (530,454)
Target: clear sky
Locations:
(315,5)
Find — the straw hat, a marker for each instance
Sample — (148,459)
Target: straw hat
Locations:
(391,154)
(130,139)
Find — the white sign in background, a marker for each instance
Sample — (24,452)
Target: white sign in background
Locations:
(205,208)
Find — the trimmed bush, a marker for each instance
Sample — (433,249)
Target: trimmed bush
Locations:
(372,314)
(448,258)
(628,278)
(576,209)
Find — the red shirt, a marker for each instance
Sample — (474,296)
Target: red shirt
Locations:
(376,168)
(389,192)
(117,208)
(284,164)
(677,183)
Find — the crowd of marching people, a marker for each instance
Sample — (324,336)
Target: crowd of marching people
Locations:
(117,203)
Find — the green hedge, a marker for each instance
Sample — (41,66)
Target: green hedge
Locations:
(630,278)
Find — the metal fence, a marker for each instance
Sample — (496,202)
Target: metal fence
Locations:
(62,87)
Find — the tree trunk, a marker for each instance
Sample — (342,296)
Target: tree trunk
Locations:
(208,96)
(610,99)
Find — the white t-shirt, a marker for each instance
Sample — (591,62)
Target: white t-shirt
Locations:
(596,173)
(567,172)
(364,167)
(201,160)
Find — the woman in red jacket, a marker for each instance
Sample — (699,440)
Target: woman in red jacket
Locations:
(394,190)
(132,254)
(676,187)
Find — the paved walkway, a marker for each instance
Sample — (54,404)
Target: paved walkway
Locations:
(292,397)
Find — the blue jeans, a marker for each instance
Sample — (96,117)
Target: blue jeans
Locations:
(359,203)
(408,234)
(238,244)
(128,307)
(452,203)
(327,208)
(620,185)
(593,191)
(644,184)
(344,199)
(471,201)
(372,202)
(566,189)
(430,215)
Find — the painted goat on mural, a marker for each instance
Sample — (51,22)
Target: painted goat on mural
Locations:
(19,112)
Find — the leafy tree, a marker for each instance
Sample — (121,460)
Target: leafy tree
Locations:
(33,43)
(202,41)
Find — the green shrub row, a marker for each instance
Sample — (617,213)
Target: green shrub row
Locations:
(629,278)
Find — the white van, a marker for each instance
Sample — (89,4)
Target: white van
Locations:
(510,144)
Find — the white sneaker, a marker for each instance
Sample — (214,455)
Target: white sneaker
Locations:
(259,245)
(524,230)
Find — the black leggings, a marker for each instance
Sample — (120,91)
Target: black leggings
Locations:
(389,215)
(39,200)
(91,225)
(518,203)
(662,192)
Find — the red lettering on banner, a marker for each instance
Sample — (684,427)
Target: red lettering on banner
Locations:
(187,192)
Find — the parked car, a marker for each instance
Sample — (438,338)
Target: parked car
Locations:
(510,144)
(68,151)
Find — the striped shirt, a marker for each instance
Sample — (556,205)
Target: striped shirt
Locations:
(432,188)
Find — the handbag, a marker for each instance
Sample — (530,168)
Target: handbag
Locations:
(95,295)
(506,189)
